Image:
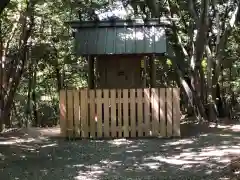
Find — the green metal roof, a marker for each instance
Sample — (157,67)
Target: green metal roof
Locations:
(119,37)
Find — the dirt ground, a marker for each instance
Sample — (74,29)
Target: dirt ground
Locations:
(37,154)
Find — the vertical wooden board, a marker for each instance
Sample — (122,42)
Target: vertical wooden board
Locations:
(84,113)
(99,112)
(169,112)
(162,112)
(70,106)
(140,112)
(155,111)
(63,112)
(133,112)
(76,113)
(92,113)
(125,113)
(113,113)
(106,112)
(119,113)
(147,99)
(176,112)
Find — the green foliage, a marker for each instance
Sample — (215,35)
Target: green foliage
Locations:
(51,48)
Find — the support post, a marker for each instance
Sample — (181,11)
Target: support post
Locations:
(91,72)
(152,71)
(143,72)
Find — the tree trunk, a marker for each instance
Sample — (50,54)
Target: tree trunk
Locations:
(35,114)
(18,66)
(192,94)
(1,78)
(30,75)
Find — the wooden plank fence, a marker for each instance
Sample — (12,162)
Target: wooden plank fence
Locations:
(120,113)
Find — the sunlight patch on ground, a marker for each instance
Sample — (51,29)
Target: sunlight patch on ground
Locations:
(235,128)
(180,142)
(93,172)
(174,161)
(15,141)
(119,142)
(152,166)
(50,145)
(209,155)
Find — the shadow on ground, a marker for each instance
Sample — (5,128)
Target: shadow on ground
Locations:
(200,156)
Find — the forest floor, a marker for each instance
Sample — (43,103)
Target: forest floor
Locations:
(203,152)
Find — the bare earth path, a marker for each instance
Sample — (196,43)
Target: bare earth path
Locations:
(43,158)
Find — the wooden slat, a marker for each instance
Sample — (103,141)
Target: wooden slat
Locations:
(147,99)
(106,112)
(119,113)
(84,113)
(133,112)
(70,127)
(99,113)
(113,113)
(63,112)
(155,111)
(140,113)
(92,113)
(169,112)
(162,112)
(125,113)
(76,113)
(176,112)
(117,100)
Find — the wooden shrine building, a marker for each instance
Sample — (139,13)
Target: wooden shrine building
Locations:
(120,51)
(122,99)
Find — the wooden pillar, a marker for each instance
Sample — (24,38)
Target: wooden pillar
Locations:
(91,72)
(152,71)
(97,75)
(144,70)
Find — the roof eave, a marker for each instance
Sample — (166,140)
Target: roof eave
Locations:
(117,23)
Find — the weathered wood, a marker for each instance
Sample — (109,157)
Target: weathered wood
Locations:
(106,112)
(99,113)
(63,112)
(119,92)
(176,112)
(169,112)
(133,112)
(92,113)
(76,113)
(70,129)
(147,98)
(139,113)
(155,111)
(125,113)
(113,113)
(84,113)
(162,112)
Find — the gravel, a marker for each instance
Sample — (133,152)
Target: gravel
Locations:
(197,157)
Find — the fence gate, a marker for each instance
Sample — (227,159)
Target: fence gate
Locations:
(120,113)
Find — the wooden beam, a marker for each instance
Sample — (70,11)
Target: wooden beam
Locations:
(144,70)
(91,72)
(152,71)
